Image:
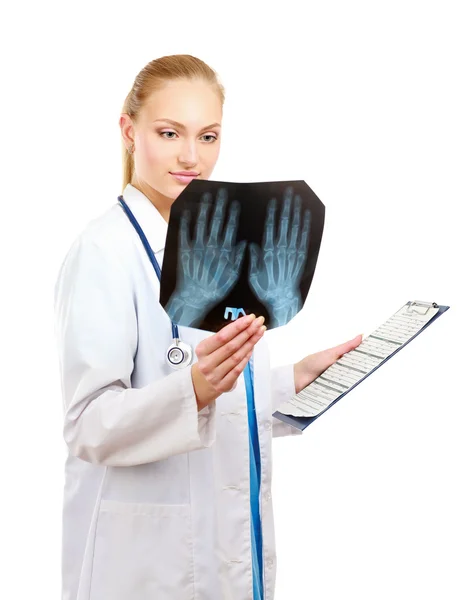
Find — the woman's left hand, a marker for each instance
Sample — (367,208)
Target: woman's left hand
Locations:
(310,367)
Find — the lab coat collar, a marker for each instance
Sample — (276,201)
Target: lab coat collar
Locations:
(149,218)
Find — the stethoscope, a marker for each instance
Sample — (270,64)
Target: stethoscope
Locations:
(179,354)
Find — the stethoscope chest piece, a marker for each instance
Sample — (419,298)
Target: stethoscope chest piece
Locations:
(179,354)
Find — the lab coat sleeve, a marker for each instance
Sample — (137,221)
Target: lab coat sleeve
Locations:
(106,420)
(282,389)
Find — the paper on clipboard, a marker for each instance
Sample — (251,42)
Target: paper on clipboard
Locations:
(355,365)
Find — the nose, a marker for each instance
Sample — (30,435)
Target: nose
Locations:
(188,154)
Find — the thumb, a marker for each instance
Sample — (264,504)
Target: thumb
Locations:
(338,351)
(254,254)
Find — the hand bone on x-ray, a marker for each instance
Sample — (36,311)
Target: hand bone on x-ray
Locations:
(207,267)
(277,267)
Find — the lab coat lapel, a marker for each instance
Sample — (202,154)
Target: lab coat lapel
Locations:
(149,218)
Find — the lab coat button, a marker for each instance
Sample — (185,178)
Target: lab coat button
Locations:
(267,496)
(267,425)
(270,562)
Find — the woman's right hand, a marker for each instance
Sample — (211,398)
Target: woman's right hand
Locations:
(223,356)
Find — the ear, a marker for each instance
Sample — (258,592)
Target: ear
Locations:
(127,129)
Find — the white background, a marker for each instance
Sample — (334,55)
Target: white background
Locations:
(373,105)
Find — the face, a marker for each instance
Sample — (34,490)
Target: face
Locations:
(178,131)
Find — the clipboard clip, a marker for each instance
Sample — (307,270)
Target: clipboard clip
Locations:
(416,306)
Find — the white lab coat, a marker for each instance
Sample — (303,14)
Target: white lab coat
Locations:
(156,498)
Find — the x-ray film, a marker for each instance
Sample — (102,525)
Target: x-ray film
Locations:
(239,248)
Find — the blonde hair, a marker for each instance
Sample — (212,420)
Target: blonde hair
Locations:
(151,78)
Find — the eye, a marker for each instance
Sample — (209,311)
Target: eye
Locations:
(213,138)
(164,133)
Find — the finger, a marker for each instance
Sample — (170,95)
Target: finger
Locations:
(233,273)
(227,247)
(239,255)
(217,220)
(303,246)
(230,380)
(284,221)
(253,271)
(338,351)
(211,362)
(248,346)
(254,255)
(269,226)
(232,226)
(212,343)
(268,260)
(184,252)
(318,362)
(202,220)
(305,231)
(292,249)
(228,367)
(184,231)
(296,223)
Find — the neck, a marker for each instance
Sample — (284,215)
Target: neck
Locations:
(161,202)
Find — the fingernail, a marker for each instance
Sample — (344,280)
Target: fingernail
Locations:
(263,328)
(251,317)
(260,320)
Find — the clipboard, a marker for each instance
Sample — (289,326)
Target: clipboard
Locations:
(312,397)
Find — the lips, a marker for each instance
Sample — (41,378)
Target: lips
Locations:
(184,176)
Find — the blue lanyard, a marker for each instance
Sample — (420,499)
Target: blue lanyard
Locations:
(148,249)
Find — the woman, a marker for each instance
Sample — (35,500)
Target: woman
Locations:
(168,474)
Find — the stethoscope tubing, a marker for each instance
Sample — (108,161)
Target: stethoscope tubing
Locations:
(178,346)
